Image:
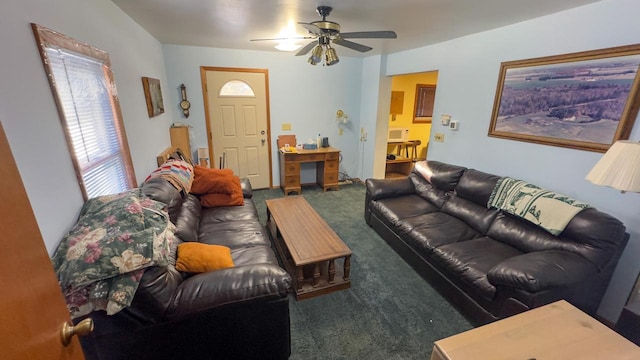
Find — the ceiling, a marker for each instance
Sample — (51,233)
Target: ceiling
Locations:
(232,23)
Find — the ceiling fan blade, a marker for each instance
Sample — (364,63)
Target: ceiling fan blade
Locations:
(369,35)
(307,48)
(352,45)
(311,27)
(285,38)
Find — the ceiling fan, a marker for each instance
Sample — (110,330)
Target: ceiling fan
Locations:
(326,32)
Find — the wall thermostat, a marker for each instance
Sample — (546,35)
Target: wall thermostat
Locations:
(453,125)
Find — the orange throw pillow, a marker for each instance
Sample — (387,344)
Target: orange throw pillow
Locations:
(207,180)
(196,257)
(211,200)
(217,187)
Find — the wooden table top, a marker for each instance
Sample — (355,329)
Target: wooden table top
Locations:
(557,331)
(308,237)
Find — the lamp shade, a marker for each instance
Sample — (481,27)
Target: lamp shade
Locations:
(331,57)
(316,55)
(619,167)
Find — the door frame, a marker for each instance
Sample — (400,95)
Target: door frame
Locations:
(203,79)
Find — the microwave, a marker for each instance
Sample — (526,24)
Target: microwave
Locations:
(398,134)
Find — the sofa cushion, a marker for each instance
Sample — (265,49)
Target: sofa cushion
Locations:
(428,231)
(161,190)
(470,261)
(476,186)
(252,255)
(474,215)
(444,176)
(402,207)
(427,190)
(195,257)
(234,235)
(245,212)
(155,292)
(188,219)
(541,270)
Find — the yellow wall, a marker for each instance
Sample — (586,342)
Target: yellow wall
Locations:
(407,84)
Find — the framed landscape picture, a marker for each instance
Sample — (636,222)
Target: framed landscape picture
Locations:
(585,100)
(153,96)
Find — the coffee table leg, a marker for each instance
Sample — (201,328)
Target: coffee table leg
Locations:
(316,274)
(332,271)
(300,277)
(347,267)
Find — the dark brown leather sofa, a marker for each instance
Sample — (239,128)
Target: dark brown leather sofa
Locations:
(235,313)
(487,262)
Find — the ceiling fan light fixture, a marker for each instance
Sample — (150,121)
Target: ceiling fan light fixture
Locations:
(331,57)
(316,55)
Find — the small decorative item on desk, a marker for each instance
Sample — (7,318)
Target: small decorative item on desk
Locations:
(288,149)
(310,146)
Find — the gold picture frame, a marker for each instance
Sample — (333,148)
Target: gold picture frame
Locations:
(153,96)
(585,100)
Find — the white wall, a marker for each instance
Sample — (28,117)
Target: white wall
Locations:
(468,73)
(301,94)
(28,112)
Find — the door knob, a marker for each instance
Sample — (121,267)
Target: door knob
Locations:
(84,327)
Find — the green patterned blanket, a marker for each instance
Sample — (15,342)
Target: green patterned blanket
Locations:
(550,210)
(99,263)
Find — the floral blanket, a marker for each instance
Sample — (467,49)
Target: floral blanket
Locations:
(550,210)
(99,263)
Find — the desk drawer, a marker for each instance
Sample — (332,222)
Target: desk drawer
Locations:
(333,156)
(330,178)
(291,168)
(292,180)
(331,166)
(311,157)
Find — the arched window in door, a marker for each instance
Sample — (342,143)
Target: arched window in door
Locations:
(236,88)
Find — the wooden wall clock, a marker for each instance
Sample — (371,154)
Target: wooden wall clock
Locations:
(184,104)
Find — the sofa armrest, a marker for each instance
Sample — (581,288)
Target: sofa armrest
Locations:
(232,285)
(247,190)
(541,270)
(383,188)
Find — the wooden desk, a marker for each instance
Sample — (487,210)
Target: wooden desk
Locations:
(557,331)
(313,254)
(327,162)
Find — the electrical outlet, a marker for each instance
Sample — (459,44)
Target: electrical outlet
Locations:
(340,131)
(439,137)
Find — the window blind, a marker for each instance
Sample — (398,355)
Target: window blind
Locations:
(84,97)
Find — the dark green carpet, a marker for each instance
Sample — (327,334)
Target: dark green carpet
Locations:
(389,312)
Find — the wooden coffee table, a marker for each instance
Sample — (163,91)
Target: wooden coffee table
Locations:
(308,247)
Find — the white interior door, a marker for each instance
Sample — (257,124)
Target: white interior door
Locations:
(237,116)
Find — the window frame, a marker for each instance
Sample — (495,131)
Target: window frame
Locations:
(422,91)
(47,38)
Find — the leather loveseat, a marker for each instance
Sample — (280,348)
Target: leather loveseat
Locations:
(490,263)
(240,312)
